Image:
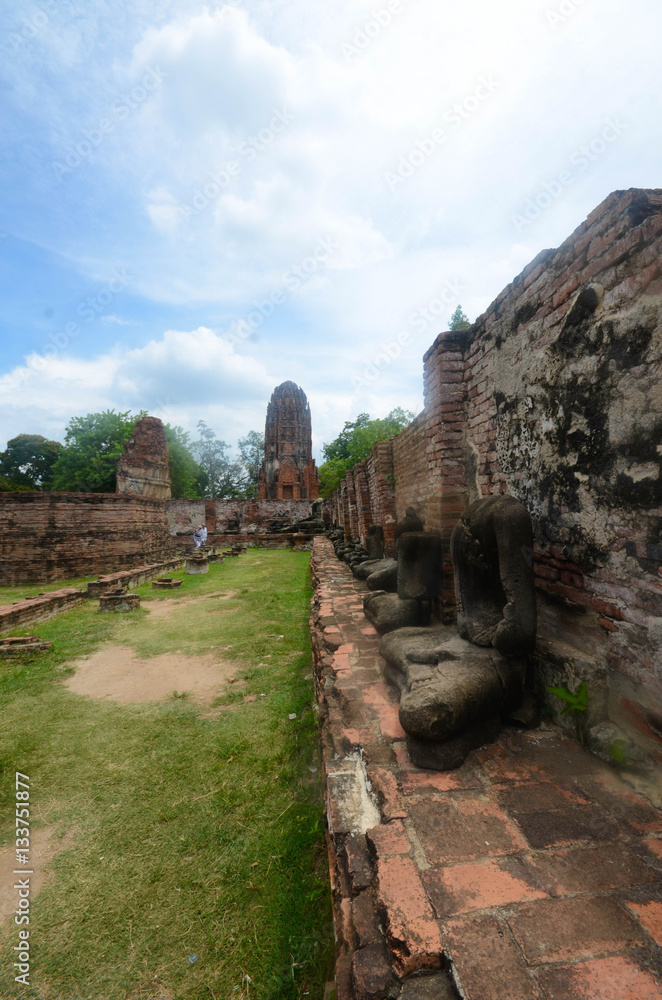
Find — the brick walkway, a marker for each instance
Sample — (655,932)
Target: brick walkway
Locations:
(531,873)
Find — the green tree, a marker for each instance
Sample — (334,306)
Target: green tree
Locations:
(93,446)
(28,461)
(251,453)
(187,477)
(224,479)
(354,444)
(459,320)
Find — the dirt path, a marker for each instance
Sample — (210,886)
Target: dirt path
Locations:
(117,673)
(164,608)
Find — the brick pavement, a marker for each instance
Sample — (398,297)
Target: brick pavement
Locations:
(530,873)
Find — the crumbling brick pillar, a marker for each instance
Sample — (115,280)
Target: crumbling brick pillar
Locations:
(351,503)
(445,408)
(363,508)
(382,490)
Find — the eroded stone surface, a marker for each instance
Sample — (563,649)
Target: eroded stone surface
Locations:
(288,471)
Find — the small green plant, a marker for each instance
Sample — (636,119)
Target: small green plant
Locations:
(576,703)
(618,751)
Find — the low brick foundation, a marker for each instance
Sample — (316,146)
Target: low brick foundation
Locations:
(131,577)
(38,609)
(530,873)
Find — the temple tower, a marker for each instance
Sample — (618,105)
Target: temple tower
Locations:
(288,471)
(143,468)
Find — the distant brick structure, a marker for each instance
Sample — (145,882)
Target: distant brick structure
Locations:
(143,468)
(288,471)
(63,536)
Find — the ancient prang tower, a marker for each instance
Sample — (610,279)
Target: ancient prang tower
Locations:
(288,471)
(143,468)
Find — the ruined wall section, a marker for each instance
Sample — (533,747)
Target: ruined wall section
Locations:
(46,537)
(143,468)
(224,517)
(410,469)
(564,411)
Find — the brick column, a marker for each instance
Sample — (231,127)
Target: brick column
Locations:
(445,409)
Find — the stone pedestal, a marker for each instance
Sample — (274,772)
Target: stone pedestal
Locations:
(119,600)
(166,583)
(196,564)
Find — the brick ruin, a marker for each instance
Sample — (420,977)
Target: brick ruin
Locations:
(288,471)
(553,396)
(46,537)
(143,468)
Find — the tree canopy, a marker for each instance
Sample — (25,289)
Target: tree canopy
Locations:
(27,462)
(459,320)
(354,443)
(93,446)
(87,462)
(187,477)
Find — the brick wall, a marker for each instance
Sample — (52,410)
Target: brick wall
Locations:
(231,516)
(60,536)
(410,469)
(553,396)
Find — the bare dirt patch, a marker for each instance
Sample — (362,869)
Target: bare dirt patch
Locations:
(44,845)
(163,608)
(117,673)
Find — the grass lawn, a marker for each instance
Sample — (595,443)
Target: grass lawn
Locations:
(194,863)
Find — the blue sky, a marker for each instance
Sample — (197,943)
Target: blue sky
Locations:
(203,200)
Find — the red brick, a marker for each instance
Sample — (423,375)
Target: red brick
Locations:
(616,978)
(457,889)
(561,930)
(371,972)
(491,829)
(442,834)
(591,869)
(365,919)
(389,838)
(487,961)
(411,930)
(385,787)
(426,782)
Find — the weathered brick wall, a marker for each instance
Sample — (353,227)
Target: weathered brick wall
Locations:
(410,469)
(563,410)
(60,536)
(553,396)
(230,516)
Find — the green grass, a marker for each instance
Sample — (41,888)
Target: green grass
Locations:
(195,833)
(8,595)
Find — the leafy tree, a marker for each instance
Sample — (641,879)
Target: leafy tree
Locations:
(8,486)
(28,462)
(224,479)
(187,478)
(459,320)
(354,443)
(251,453)
(93,446)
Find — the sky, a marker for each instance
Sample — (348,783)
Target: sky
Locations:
(202,200)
